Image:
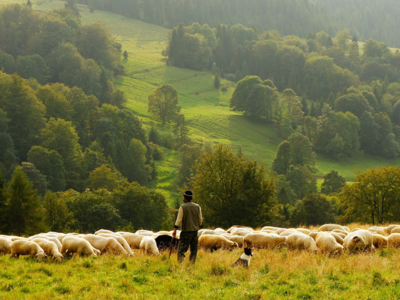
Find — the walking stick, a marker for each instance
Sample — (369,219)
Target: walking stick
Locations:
(170,247)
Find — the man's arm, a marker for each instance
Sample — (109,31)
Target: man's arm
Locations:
(178,221)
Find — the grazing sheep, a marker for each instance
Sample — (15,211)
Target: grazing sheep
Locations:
(359,240)
(104,244)
(241,231)
(238,226)
(215,242)
(133,240)
(149,245)
(301,241)
(288,232)
(5,245)
(327,244)
(50,248)
(340,231)
(104,231)
(210,232)
(27,248)
(164,233)
(355,229)
(389,229)
(237,239)
(338,238)
(377,230)
(379,241)
(303,230)
(71,244)
(313,234)
(269,228)
(331,227)
(280,230)
(145,232)
(120,240)
(263,241)
(395,230)
(394,240)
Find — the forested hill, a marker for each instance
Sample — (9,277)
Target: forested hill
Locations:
(367,19)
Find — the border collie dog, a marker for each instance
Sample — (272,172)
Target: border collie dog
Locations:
(244,260)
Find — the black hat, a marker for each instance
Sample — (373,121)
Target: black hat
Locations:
(188,195)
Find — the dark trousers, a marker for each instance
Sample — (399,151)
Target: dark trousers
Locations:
(188,238)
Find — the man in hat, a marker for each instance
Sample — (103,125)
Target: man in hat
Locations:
(190,220)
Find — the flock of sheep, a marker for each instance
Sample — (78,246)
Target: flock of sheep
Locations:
(329,239)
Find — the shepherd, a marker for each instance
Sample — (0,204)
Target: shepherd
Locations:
(190,220)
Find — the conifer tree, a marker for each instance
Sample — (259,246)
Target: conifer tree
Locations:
(126,55)
(24,208)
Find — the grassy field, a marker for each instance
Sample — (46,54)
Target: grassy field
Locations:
(206,109)
(274,274)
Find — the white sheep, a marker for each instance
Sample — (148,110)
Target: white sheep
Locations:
(301,242)
(104,231)
(303,230)
(5,245)
(71,244)
(288,232)
(50,248)
(389,229)
(104,244)
(331,227)
(237,239)
(395,230)
(120,240)
(215,242)
(326,243)
(394,240)
(359,240)
(379,241)
(149,245)
(263,241)
(241,231)
(21,247)
(133,240)
(378,230)
(337,237)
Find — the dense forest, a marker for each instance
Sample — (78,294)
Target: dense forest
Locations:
(366,19)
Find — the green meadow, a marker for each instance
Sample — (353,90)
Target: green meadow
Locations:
(206,109)
(273,274)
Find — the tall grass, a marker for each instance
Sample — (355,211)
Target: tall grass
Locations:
(277,274)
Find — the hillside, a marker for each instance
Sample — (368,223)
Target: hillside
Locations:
(207,110)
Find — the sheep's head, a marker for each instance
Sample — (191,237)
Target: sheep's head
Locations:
(57,257)
(339,250)
(356,239)
(40,255)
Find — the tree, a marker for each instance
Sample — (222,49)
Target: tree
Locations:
(301,152)
(126,55)
(181,130)
(281,162)
(140,206)
(390,147)
(319,210)
(29,3)
(135,168)
(163,103)
(38,180)
(50,164)
(373,198)
(3,203)
(254,98)
(60,135)
(354,103)
(104,177)
(103,215)
(333,183)
(57,213)
(232,190)
(187,162)
(368,133)
(302,180)
(24,208)
(291,105)
(217,82)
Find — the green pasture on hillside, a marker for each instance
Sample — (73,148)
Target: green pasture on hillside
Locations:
(206,109)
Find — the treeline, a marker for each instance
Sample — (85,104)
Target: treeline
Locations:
(369,19)
(290,17)
(131,206)
(315,68)
(55,47)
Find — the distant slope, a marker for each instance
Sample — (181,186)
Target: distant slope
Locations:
(206,109)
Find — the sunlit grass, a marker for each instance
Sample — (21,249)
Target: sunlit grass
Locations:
(277,274)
